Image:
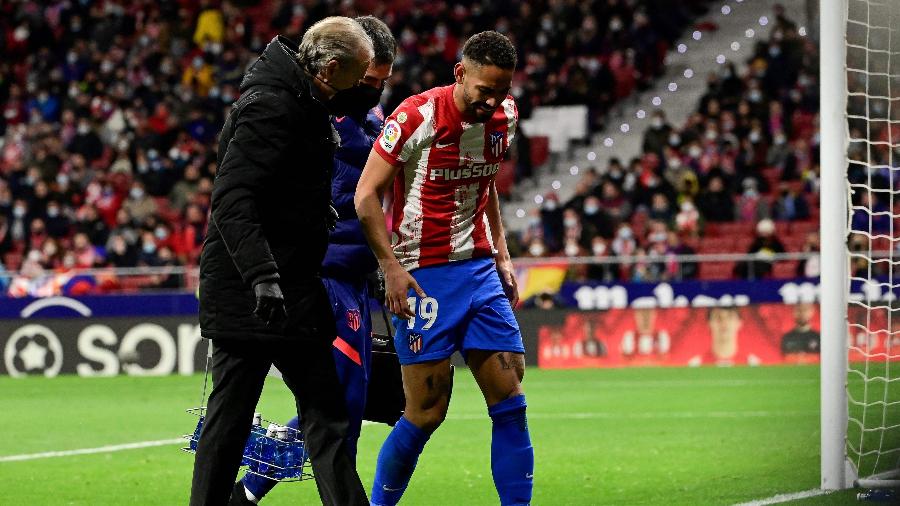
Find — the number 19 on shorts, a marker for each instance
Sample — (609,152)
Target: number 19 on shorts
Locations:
(426,308)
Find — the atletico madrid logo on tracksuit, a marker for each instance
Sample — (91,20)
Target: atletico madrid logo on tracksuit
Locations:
(415,342)
(353,319)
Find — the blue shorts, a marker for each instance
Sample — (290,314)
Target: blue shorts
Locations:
(465,309)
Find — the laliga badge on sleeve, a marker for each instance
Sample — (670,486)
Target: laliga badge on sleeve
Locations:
(390,135)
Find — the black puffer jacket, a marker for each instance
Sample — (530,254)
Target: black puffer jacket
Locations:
(269,203)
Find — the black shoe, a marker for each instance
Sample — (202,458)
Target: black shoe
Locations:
(239,497)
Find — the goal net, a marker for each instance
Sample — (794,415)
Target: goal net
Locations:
(872,175)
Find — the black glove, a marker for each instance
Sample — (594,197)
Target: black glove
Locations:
(333,217)
(269,303)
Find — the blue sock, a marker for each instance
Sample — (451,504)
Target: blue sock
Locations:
(397,461)
(512,456)
(256,484)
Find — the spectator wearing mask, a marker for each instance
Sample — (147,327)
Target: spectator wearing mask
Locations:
(763,248)
(601,272)
(147,255)
(185,188)
(138,204)
(752,206)
(661,209)
(656,137)
(88,222)
(715,204)
(120,253)
(687,221)
(790,206)
(20,224)
(684,270)
(86,256)
(58,224)
(810,267)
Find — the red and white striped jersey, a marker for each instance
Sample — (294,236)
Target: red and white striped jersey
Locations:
(447,167)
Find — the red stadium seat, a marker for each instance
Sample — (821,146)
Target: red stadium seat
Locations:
(786,269)
(729,229)
(716,270)
(540,150)
(804,227)
(12,260)
(506,178)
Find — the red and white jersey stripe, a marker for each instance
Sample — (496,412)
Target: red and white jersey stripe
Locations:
(447,168)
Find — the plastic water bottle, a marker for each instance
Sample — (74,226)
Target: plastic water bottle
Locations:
(196,437)
(285,455)
(877,495)
(266,449)
(256,431)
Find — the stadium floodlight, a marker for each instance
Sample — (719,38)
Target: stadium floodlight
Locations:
(859,114)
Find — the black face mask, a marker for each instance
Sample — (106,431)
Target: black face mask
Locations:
(354,102)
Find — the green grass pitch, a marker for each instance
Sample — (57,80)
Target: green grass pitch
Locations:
(626,436)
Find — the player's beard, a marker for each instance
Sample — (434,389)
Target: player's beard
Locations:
(481,111)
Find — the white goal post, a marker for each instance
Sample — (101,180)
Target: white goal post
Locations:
(836,471)
(860,242)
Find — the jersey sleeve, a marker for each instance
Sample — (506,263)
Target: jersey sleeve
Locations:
(400,136)
(512,114)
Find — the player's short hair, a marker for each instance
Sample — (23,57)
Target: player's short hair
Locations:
(726,309)
(333,38)
(490,48)
(382,39)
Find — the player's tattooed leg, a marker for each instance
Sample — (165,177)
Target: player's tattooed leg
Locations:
(515,361)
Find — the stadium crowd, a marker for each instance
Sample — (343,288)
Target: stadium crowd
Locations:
(740,175)
(111,110)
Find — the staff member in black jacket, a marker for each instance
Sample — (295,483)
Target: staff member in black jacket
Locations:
(261,300)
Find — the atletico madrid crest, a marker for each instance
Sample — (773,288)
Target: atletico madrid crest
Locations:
(496,143)
(353,319)
(415,342)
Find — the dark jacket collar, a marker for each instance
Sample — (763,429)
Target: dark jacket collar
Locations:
(278,67)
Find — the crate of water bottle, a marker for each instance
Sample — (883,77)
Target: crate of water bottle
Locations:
(277,452)
(194,437)
(273,451)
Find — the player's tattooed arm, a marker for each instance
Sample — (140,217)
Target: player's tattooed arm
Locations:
(501,255)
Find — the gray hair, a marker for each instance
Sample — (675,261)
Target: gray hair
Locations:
(333,38)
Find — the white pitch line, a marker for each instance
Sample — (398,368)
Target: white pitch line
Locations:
(645,415)
(451,417)
(88,451)
(780,498)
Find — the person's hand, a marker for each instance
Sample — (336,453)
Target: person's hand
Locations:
(508,280)
(269,303)
(397,283)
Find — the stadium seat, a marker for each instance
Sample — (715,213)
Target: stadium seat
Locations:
(12,260)
(540,150)
(506,178)
(785,270)
(782,228)
(729,229)
(804,227)
(716,270)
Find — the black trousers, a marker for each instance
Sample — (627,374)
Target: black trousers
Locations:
(239,369)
